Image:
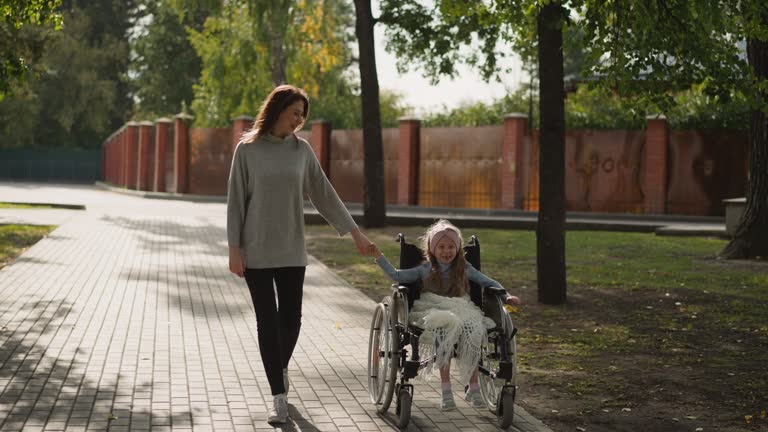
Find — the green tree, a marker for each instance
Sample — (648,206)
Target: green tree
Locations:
(647,48)
(439,36)
(236,73)
(81,93)
(653,47)
(165,65)
(271,19)
(374,200)
(19,47)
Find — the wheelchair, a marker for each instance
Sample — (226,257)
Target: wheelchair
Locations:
(391,365)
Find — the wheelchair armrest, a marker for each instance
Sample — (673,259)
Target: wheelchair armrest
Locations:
(494,290)
(401,289)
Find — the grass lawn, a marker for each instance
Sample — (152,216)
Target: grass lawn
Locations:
(657,333)
(14,239)
(4,205)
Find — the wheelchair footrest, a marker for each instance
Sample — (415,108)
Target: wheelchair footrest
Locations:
(505,370)
(411,369)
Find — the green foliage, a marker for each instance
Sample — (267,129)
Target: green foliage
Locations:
(646,50)
(81,93)
(595,107)
(482,114)
(428,35)
(698,109)
(236,76)
(235,67)
(19,48)
(652,48)
(165,64)
(599,108)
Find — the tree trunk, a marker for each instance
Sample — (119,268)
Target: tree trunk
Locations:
(751,237)
(276,51)
(374,210)
(550,230)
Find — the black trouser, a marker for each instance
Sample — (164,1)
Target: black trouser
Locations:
(278,328)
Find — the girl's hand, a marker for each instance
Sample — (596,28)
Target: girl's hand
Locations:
(512,300)
(361,242)
(374,251)
(236,261)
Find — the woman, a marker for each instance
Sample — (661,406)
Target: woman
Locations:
(271,171)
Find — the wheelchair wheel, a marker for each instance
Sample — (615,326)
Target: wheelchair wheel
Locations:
(383,357)
(491,355)
(404,401)
(506,412)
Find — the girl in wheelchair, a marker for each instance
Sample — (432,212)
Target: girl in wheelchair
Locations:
(452,323)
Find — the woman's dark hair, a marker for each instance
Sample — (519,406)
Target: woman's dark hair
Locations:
(278,100)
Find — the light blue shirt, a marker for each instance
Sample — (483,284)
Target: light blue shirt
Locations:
(422,271)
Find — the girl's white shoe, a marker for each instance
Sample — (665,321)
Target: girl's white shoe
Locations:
(447,404)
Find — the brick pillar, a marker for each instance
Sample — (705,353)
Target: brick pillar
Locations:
(118,155)
(113,156)
(131,154)
(112,159)
(321,143)
(515,126)
(146,150)
(161,150)
(104,158)
(239,125)
(655,181)
(181,152)
(408,161)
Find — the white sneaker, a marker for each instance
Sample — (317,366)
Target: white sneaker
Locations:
(447,403)
(286,382)
(279,412)
(475,398)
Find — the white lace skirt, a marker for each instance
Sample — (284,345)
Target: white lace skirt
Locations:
(449,322)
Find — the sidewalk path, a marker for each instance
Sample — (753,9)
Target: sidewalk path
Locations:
(126,318)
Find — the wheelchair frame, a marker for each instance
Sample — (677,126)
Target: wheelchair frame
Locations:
(391,332)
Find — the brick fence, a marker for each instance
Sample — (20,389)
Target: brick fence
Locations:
(655,170)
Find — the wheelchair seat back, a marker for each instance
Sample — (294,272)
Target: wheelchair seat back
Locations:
(412,256)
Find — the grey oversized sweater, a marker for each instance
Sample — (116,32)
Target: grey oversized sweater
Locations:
(265,201)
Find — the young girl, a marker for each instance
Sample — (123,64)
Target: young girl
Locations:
(271,170)
(444,309)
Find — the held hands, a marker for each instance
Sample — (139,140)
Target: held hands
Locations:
(236,261)
(364,246)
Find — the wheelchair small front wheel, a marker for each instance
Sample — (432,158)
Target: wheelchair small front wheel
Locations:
(403,408)
(505,413)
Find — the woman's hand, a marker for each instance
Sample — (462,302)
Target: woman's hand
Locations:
(362,243)
(512,300)
(236,261)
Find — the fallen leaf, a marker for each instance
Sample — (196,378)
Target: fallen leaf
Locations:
(626,409)
(581,429)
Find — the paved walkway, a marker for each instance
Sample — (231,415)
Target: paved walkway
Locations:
(126,318)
